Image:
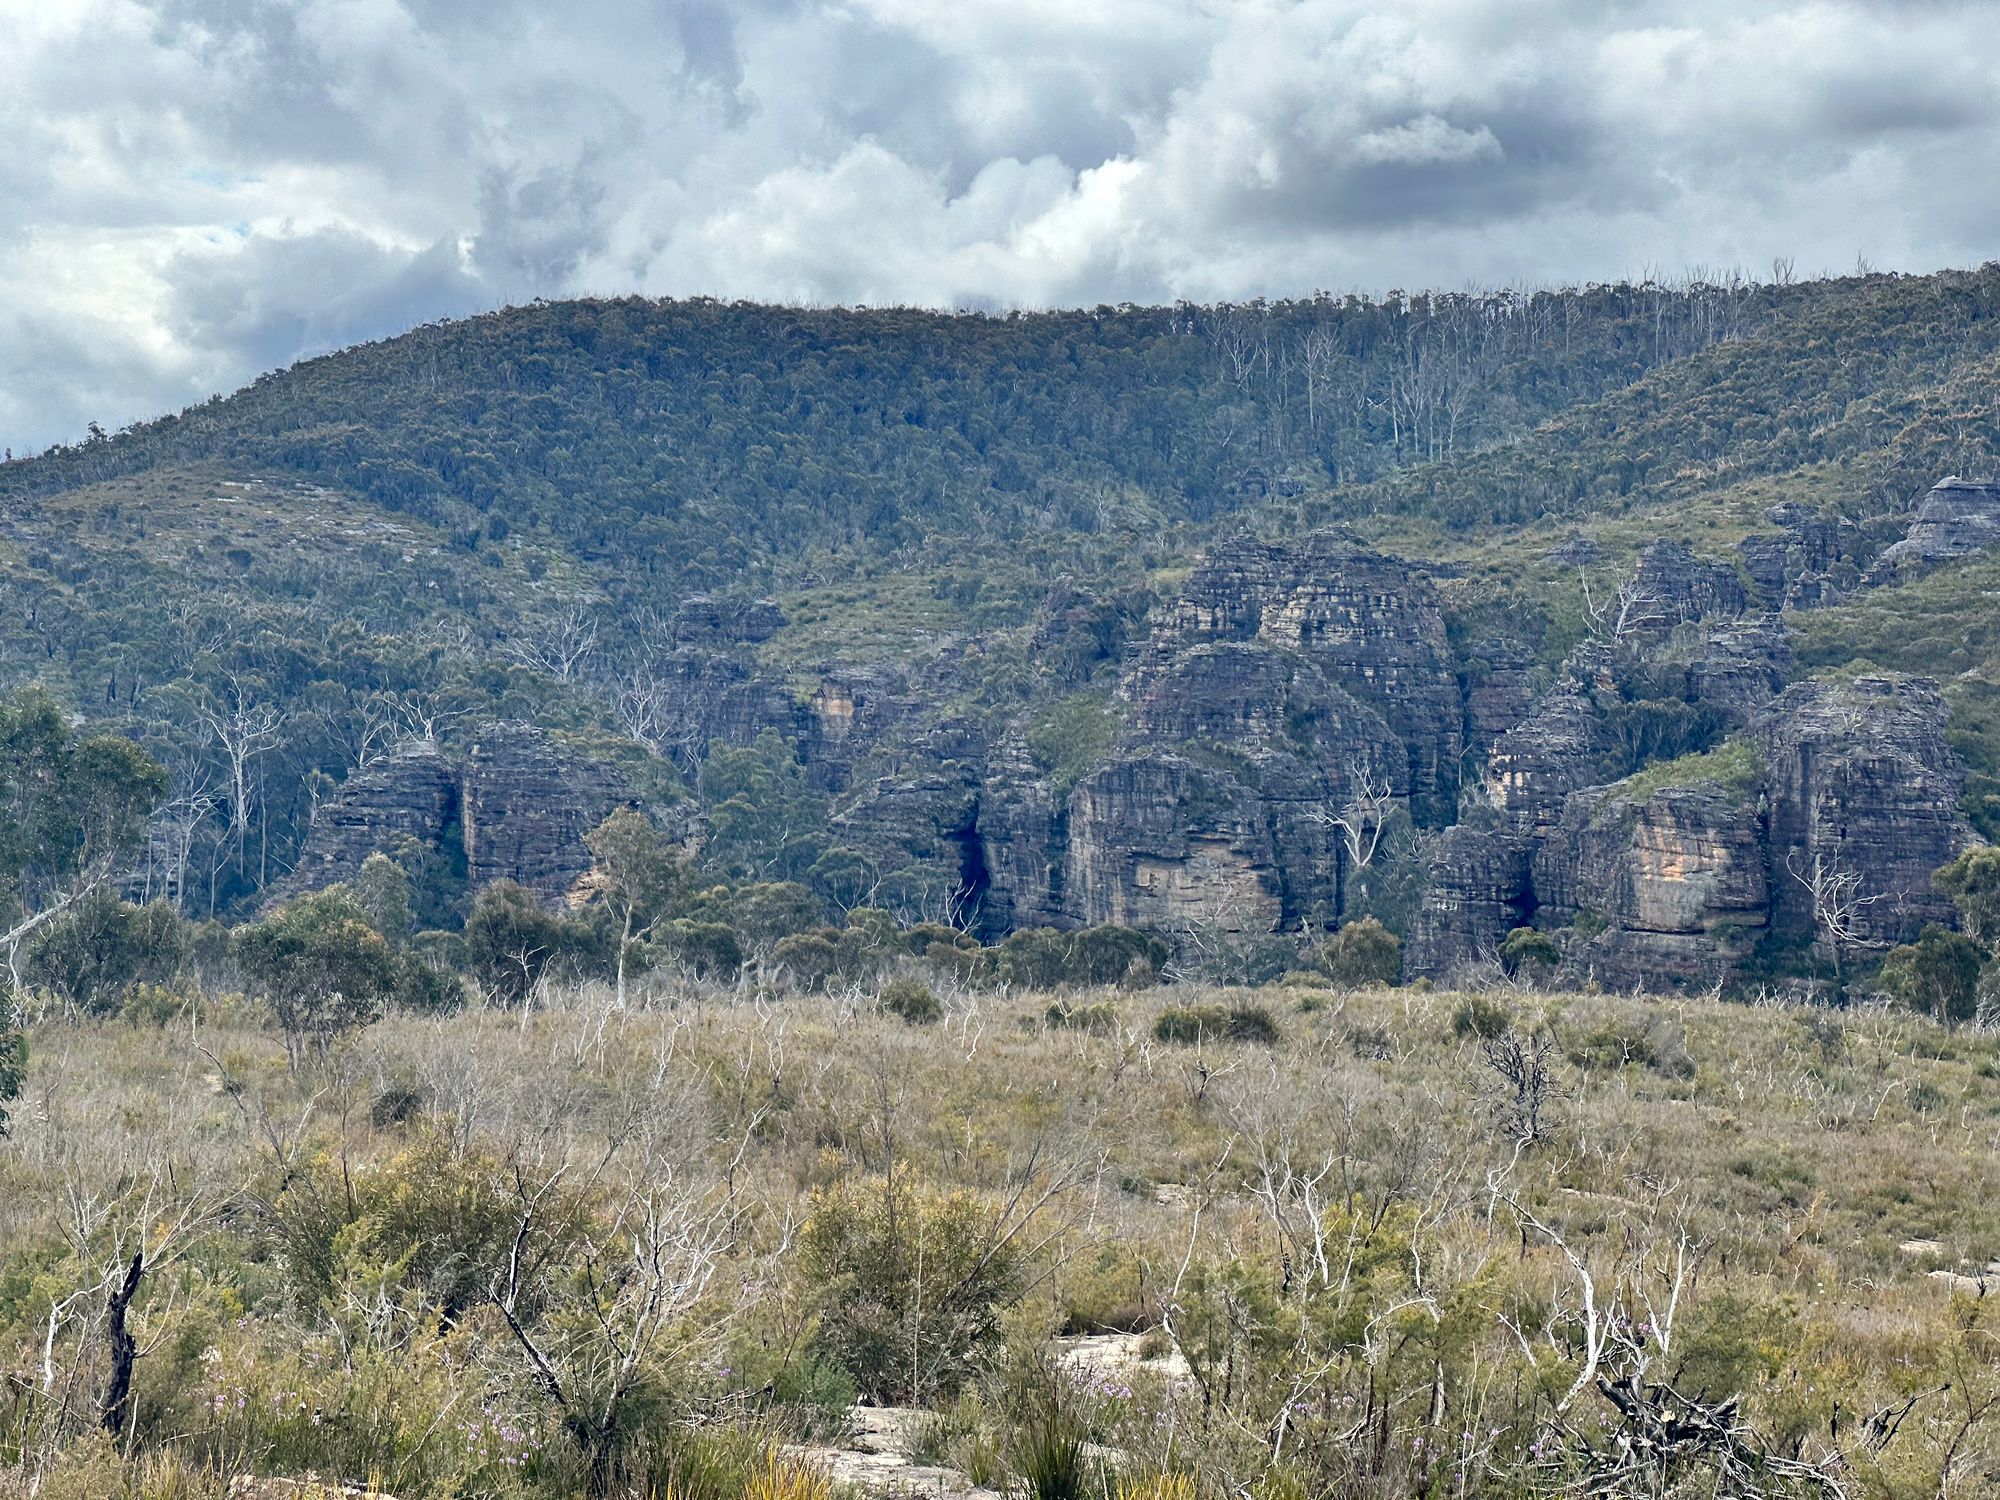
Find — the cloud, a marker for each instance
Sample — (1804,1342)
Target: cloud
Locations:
(197,190)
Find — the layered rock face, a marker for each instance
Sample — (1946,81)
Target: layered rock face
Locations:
(1672,884)
(1023,832)
(409,796)
(1369,623)
(1675,880)
(701,620)
(1155,841)
(1479,891)
(1815,561)
(1534,767)
(1863,791)
(1740,669)
(520,801)
(1956,519)
(526,803)
(1676,586)
(915,809)
(1284,690)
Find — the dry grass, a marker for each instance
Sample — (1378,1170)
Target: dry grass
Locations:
(1793,1154)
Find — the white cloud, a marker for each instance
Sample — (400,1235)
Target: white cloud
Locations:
(198,189)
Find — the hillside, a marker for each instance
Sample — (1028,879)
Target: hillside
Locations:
(1122,616)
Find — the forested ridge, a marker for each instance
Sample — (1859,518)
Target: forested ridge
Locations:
(691,440)
(501,518)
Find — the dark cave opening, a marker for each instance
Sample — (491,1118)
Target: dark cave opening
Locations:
(973,877)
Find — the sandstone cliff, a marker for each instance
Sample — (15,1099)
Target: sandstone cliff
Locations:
(518,803)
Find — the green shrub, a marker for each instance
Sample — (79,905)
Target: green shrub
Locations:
(910,1285)
(424,988)
(1050,1454)
(911,1001)
(1651,1042)
(1216,1023)
(812,959)
(1938,975)
(1046,958)
(707,950)
(1069,737)
(927,938)
(325,969)
(512,940)
(1528,954)
(1361,953)
(1973,883)
(1116,955)
(1096,1017)
(383,889)
(97,951)
(156,1004)
(13,1069)
(1480,1017)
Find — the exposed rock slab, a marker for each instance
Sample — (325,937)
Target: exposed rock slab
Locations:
(1534,766)
(519,800)
(1480,890)
(1957,518)
(526,801)
(409,796)
(1863,788)
(1370,624)
(1675,879)
(1674,586)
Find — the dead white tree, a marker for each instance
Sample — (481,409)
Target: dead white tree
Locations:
(1362,818)
(425,714)
(657,711)
(1619,1322)
(1834,889)
(559,646)
(1631,609)
(591,1299)
(243,726)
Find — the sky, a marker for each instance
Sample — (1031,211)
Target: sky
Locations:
(195,191)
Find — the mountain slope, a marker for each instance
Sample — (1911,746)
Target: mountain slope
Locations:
(968,526)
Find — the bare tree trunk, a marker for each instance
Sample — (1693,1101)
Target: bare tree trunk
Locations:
(124,1348)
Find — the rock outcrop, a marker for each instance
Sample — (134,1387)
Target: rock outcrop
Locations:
(1368,623)
(1534,767)
(1499,684)
(526,801)
(1863,792)
(1956,519)
(1156,841)
(1674,586)
(1668,886)
(1821,822)
(702,620)
(915,811)
(1815,559)
(518,803)
(409,797)
(1480,890)
(1742,666)
(1285,688)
